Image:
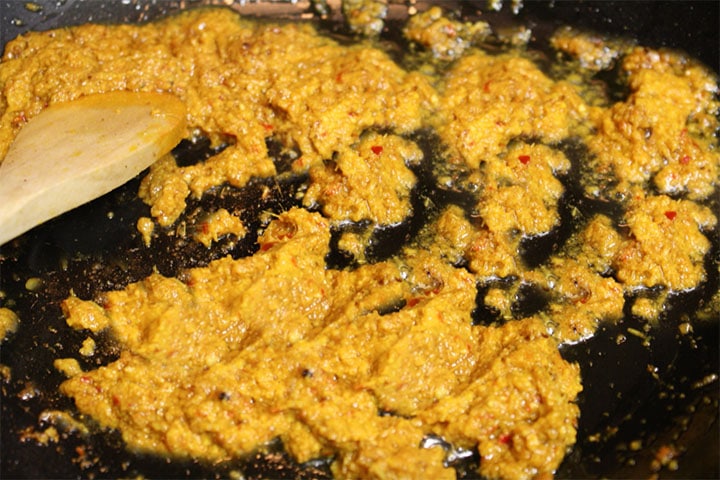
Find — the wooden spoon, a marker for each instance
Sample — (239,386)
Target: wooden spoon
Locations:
(74,152)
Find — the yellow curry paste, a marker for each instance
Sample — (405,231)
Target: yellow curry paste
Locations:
(364,363)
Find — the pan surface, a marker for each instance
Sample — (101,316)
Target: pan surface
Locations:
(646,398)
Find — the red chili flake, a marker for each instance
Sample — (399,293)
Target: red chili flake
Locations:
(376,149)
(486,87)
(19,119)
(205,227)
(332,190)
(524,159)
(505,438)
(267,127)
(412,302)
(685,159)
(115,400)
(670,214)
(266,246)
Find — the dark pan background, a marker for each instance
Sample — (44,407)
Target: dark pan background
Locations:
(637,397)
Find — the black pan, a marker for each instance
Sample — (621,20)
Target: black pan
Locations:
(638,397)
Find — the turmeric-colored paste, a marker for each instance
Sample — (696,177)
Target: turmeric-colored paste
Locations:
(363,364)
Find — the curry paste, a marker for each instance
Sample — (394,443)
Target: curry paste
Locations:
(365,363)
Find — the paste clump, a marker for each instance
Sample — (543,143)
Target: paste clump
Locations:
(274,345)
(365,363)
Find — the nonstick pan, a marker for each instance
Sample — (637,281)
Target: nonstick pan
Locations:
(649,408)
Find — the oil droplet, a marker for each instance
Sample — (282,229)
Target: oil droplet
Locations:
(33,7)
(33,284)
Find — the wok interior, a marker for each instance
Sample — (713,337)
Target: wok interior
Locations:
(663,393)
